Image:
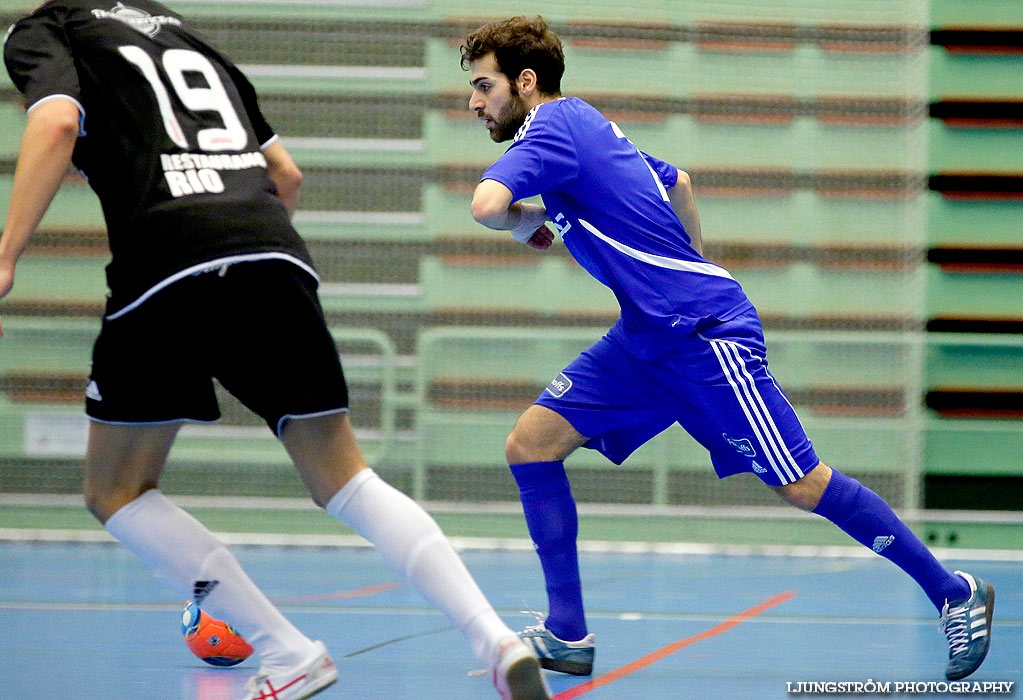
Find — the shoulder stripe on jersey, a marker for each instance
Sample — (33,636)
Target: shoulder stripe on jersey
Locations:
(657,179)
(702,268)
(529,120)
(521,133)
(206,267)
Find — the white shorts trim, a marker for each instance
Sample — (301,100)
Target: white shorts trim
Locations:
(151,422)
(206,267)
(318,414)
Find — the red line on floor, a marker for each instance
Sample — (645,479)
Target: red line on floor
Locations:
(337,595)
(653,657)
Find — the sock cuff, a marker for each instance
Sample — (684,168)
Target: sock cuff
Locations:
(340,499)
(536,475)
(837,497)
(113,524)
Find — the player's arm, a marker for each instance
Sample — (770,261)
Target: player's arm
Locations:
(492,206)
(43,161)
(285,174)
(681,196)
(280,166)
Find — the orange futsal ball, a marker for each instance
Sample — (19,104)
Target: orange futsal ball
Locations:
(214,641)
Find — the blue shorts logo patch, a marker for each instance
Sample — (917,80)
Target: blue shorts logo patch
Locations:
(742,446)
(559,386)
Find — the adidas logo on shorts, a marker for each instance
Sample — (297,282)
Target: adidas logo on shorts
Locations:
(758,469)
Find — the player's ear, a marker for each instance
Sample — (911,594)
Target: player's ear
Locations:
(526,82)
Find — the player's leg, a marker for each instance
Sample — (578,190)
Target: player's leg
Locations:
(122,462)
(327,456)
(122,469)
(535,450)
(966,604)
(293,379)
(869,520)
(602,401)
(767,438)
(149,373)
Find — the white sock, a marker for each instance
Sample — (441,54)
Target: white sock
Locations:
(413,545)
(191,561)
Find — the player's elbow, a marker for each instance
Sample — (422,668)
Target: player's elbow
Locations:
(66,129)
(684,182)
(59,125)
(485,210)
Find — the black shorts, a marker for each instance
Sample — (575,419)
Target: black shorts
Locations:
(257,327)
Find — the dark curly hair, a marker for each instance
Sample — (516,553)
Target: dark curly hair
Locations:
(519,43)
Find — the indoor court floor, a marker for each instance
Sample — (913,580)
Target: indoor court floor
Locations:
(87,621)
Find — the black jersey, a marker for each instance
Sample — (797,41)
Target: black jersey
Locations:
(171,139)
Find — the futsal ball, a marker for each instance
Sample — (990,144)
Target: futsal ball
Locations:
(213,641)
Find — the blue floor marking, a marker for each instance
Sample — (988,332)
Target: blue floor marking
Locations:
(87,621)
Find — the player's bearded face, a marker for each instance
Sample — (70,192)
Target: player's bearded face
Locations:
(508,120)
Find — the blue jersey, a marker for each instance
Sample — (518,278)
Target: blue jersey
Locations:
(610,204)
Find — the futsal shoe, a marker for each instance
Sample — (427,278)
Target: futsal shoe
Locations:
(556,654)
(967,625)
(302,681)
(516,672)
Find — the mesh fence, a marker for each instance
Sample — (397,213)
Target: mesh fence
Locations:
(802,124)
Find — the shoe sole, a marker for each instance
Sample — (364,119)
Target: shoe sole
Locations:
(319,684)
(989,614)
(524,680)
(574,668)
(318,688)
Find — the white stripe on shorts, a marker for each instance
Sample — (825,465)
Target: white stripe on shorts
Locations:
(756,411)
(780,441)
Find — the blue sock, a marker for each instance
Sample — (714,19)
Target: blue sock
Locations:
(554,525)
(864,516)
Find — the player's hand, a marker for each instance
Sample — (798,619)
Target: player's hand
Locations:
(541,239)
(531,219)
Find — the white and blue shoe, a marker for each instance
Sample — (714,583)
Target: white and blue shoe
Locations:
(575,658)
(967,625)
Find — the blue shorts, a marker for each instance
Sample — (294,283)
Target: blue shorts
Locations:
(714,383)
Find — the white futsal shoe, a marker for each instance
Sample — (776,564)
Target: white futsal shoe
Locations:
(305,680)
(516,672)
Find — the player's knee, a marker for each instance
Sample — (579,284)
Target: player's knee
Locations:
(806,493)
(522,447)
(514,449)
(103,502)
(798,496)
